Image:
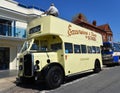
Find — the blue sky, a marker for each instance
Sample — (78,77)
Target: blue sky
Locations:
(103,11)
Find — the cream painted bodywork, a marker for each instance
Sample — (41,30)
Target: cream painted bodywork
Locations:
(66,32)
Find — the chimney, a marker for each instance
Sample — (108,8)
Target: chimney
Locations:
(94,22)
(79,16)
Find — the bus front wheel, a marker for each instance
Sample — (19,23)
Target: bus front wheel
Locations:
(54,77)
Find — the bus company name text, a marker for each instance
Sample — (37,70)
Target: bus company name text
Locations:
(88,35)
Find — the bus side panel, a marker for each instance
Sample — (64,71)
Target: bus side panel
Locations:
(75,63)
(116,59)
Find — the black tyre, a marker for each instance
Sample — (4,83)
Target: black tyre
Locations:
(97,68)
(27,80)
(54,77)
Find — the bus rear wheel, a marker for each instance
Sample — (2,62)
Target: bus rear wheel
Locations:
(54,77)
(97,67)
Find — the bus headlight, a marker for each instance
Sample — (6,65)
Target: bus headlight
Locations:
(21,59)
(37,62)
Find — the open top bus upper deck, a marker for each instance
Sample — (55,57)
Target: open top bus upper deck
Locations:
(50,25)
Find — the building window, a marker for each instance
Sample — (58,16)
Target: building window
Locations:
(20,32)
(8,28)
(5,27)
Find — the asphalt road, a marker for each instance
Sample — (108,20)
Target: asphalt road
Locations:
(107,81)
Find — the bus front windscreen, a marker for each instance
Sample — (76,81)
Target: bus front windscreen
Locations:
(26,45)
(107,48)
(116,47)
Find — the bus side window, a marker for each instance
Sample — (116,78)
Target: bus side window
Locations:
(77,49)
(89,49)
(93,49)
(56,46)
(83,48)
(35,45)
(97,49)
(43,44)
(68,48)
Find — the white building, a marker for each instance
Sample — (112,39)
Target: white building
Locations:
(13,22)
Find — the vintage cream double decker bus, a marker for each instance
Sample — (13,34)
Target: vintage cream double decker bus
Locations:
(56,48)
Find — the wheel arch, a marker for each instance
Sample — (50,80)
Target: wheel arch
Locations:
(97,62)
(48,66)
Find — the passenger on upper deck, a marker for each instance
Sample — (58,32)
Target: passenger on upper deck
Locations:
(52,10)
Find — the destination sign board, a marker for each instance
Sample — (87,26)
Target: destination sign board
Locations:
(35,29)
